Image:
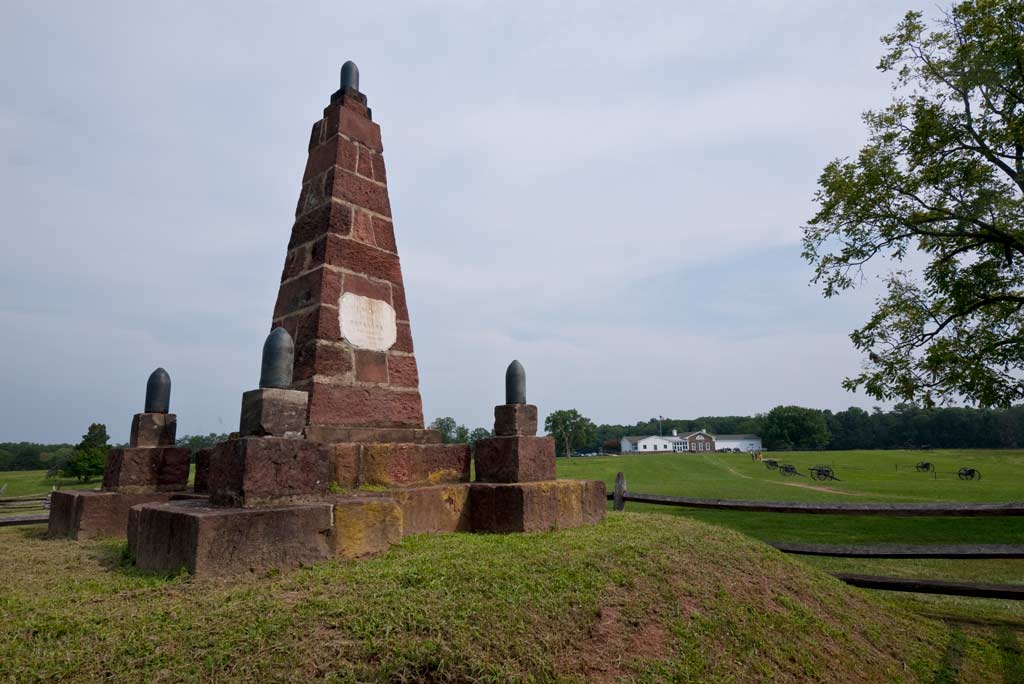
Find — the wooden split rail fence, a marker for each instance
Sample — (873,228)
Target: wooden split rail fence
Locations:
(12,508)
(620,495)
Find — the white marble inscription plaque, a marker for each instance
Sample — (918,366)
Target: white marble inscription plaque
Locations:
(367,323)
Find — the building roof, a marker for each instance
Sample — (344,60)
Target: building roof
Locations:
(736,437)
(668,438)
(638,438)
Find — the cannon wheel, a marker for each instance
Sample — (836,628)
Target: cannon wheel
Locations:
(968,474)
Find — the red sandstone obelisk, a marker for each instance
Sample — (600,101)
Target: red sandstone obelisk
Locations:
(341,296)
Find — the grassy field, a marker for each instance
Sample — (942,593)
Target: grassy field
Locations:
(654,594)
(639,598)
(865,476)
(29,482)
(886,476)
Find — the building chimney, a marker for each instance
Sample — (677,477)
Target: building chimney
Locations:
(675,433)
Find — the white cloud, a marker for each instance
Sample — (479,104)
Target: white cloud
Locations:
(554,169)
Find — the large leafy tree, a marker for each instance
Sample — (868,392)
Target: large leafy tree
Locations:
(570,429)
(89,456)
(795,427)
(938,191)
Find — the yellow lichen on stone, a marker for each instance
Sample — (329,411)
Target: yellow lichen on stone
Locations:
(365,526)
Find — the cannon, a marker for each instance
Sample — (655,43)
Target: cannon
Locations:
(966,473)
(822,473)
(924,467)
(787,469)
(771,463)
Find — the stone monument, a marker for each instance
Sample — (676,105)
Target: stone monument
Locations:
(332,458)
(150,469)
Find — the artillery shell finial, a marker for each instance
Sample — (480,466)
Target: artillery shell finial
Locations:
(278,360)
(515,384)
(158,392)
(349,75)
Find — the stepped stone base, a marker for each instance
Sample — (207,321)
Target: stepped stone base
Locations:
(213,541)
(537,506)
(261,471)
(140,470)
(511,459)
(90,514)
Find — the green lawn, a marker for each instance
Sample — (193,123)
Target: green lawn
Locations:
(886,476)
(29,482)
(638,598)
(865,475)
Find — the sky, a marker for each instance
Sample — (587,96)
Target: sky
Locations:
(612,193)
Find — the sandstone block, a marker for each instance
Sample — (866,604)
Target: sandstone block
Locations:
(537,506)
(329,218)
(406,465)
(365,526)
(371,366)
(319,357)
(360,285)
(515,419)
(404,341)
(349,121)
(384,236)
(139,470)
(253,471)
(334,152)
(86,515)
(212,541)
(153,430)
(367,435)
(364,259)
(402,371)
(436,509)
(364,406)
(515,459)
(319,286)
(354,189)
(272,411)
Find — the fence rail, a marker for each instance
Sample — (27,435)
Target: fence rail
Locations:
(901,510)
(964,551)
(22,505)
(1014,592)
(12,520)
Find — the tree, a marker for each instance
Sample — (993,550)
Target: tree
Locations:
(90,455)
(570,429)
(795,427)
(446,426)
(478,434)
(942,175)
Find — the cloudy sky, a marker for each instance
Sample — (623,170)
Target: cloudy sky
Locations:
(610,192)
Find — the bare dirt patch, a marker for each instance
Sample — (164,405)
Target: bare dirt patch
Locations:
(612,641)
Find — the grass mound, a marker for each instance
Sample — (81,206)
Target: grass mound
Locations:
(638,598)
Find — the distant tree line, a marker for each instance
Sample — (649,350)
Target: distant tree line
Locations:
(907,426)
(91,450)
(783,428)
(31,456)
